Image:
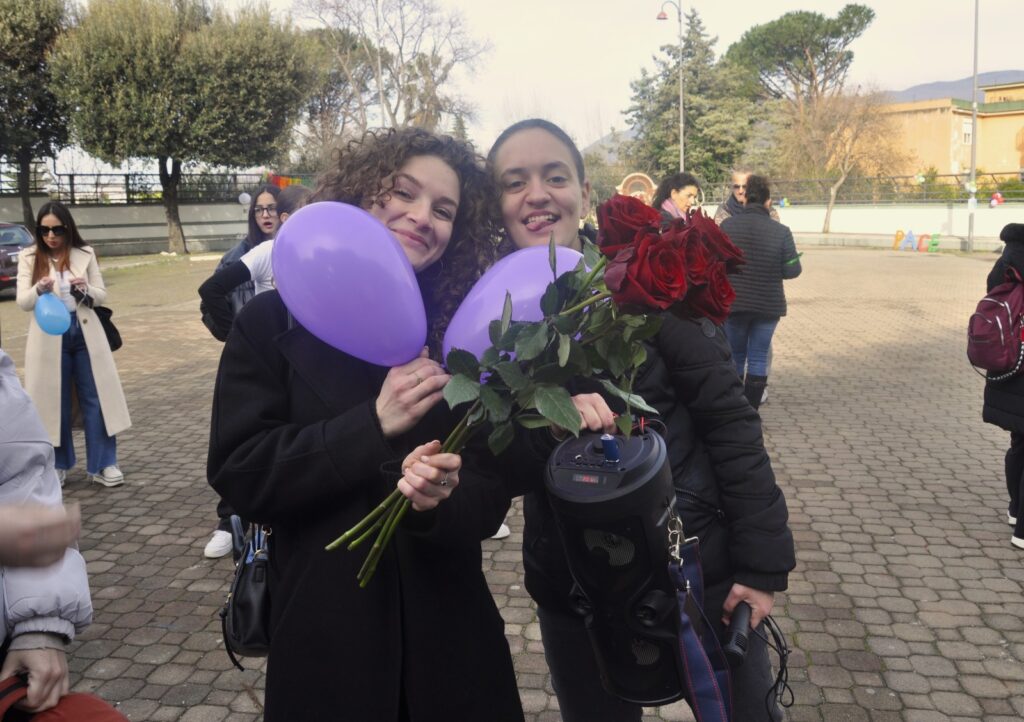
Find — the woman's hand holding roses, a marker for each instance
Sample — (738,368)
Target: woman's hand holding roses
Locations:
(429,477)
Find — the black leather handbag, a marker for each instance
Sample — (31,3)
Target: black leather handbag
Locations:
(113,335)
(245,618)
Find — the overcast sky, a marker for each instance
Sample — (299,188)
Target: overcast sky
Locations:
(571,61)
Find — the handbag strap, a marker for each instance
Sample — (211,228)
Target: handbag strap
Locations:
(12,690)
(708,684)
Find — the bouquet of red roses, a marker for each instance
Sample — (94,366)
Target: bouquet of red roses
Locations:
(681,266)
(595,320)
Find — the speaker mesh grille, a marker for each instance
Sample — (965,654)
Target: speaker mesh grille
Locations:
(645,653)
(619,549)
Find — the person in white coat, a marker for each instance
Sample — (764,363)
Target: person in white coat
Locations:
(44,591)
(61,263)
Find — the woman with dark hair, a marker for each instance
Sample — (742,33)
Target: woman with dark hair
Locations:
(62,263)
(263,220)
(253,270)
(303,438)
(725,487)
(677,194)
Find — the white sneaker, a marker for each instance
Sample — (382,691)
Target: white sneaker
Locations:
(109,476)
(218,546)
(764,395)
(1010,519)
(503,531)
(1017,542)
(62,476)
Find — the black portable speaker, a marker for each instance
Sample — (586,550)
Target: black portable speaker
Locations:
(612,499)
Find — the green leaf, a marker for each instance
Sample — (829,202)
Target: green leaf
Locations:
(532,421)
(624,423)
(555,404)
(462,362)
(508,339)
(512,375)
(532,341)
(491,357)
(506,313)
(552,373)
(564,346)
(639,355)
(590,254)
(565,324)
(635,401)
(498,405)
(552,258)
(551,301)
(649,329)
(461,389)
(495,333)
(501,437)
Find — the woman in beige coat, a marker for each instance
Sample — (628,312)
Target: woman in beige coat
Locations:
(60,262)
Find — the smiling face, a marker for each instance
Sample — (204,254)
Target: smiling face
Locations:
(541,192)
(685,198)
(420,209)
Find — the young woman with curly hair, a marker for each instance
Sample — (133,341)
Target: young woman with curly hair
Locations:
(302,435)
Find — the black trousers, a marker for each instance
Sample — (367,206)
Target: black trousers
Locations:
(1015,480)
(577,682)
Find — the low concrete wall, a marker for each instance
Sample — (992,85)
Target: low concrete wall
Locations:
(139,229)
(876,226)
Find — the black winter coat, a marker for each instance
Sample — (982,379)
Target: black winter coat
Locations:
(770,255)
(1004,400)
(295,443)
(726,493)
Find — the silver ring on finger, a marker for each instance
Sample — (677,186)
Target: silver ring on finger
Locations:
(418,379)
(444,481)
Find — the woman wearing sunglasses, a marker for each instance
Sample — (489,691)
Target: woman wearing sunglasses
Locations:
(61,263)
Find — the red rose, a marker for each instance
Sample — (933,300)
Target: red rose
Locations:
(696,255)
(714,299)
(650,273)
(715,241)
(619,219)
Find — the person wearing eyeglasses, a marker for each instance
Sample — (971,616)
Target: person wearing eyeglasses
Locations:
(264,220)
(738,199)
(60,262)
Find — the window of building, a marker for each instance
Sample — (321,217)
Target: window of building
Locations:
(967,136)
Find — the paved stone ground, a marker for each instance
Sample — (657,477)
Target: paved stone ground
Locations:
(907,601)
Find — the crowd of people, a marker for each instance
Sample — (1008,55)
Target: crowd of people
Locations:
(306,439)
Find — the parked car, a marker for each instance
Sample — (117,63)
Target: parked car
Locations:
(13,238)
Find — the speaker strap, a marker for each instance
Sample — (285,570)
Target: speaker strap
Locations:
(708,685)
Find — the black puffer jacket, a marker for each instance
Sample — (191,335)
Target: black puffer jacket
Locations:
(725,487)
(1004,400)
(770,255)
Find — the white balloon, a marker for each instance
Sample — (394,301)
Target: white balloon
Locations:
(244,199)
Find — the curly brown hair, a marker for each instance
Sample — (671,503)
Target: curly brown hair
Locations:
(360,177)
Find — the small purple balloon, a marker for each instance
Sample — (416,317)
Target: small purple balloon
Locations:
(525,275)
(347,280)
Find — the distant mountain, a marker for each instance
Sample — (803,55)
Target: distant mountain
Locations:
(608,146)
(960,89)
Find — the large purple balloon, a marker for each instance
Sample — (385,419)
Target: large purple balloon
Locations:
(525,274)
(347,280)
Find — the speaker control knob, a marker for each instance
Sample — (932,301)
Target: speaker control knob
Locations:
(610,447)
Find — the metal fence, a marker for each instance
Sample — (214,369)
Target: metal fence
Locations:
(930,188)
(132,188)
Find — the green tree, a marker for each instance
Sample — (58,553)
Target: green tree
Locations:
(174,81)
(32,122)
(822,130)
(719,110)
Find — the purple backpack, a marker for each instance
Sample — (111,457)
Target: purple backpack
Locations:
(995,333)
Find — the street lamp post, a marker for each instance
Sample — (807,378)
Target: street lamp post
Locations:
(682,104)
(972,202)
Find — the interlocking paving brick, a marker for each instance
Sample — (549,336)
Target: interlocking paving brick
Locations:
(907,600)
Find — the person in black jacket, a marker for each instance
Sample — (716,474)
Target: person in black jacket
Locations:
(1004,400)
(302,437)
(771,257)
(725,487)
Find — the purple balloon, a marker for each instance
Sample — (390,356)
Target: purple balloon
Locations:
(347,280)
(525,274)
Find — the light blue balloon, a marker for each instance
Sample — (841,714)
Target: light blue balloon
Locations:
(52,315)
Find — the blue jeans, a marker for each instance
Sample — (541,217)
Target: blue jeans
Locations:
(100,449)
(750,337)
